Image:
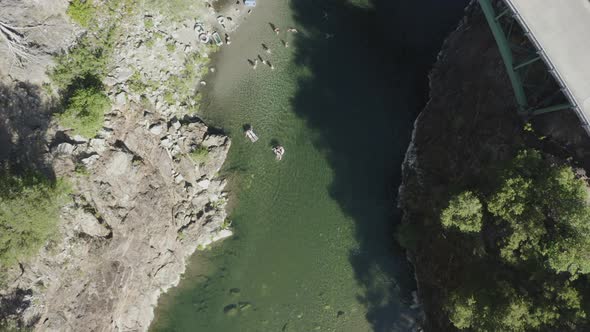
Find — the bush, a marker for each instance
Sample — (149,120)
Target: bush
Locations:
(82,12)
(148,23)
(85,64)
(29,211)
(464,213)
(85,111)
(199,154)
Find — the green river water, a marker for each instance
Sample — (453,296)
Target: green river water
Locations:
(314,246)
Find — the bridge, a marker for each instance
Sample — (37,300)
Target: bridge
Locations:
(559,31)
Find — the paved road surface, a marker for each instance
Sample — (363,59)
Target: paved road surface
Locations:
(561,30)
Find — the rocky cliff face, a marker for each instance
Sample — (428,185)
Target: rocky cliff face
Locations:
(142,202)
(142,208)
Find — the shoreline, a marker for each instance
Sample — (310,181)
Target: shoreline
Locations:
(121,231)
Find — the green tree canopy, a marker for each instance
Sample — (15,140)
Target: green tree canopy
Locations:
(464,213)
(85,111)
(29,210)
(537,236)
(544,212)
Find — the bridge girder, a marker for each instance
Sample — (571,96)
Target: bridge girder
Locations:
(506,50)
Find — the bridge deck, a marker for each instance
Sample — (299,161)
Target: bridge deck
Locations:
(561,31)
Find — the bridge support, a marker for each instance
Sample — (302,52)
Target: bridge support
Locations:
(512,69)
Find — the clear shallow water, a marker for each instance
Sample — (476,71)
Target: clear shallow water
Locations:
(314,246)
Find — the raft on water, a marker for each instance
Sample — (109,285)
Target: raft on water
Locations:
(250,134)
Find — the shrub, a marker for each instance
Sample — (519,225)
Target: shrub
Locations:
(29,211)
(199,154)
(85,111)
(169,98)
(464,213)
(148,23)
(84,64)
(171,47)
(82,12)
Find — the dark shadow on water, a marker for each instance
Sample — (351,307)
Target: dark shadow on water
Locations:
(369,80)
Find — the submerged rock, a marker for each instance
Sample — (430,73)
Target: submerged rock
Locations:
(230,309)
(244,305)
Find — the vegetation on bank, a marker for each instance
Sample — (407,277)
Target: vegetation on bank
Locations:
(199,154)
(78,73)
(85,110)
(29,211)
(518,248)
(82,12)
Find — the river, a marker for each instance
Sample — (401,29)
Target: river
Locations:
(314,244)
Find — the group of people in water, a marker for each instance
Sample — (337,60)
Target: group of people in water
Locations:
(254,63)
(277,149)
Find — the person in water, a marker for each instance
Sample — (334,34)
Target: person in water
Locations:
(279,151)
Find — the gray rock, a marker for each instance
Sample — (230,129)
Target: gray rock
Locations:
(214,140)
(90,225)
(119,164)
(204,184)
(90,160)
(121,99)
(98,145)
(65,149)
(156,128)
(123,74)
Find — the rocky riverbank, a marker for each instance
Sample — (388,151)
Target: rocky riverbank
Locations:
(145,191)
(469,123)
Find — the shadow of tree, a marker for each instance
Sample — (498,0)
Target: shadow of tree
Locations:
(24,120)
(370,66)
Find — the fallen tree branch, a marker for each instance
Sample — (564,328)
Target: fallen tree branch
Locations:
(16,42)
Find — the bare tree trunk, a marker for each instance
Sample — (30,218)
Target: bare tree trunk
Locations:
(16,42)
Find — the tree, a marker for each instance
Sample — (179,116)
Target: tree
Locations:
(464,213)
(85,111)
(29,210)
(543,211)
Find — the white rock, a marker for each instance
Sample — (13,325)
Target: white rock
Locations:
(204,183)
(90,160)
(121,99)
(119,164)
(176,124)
(65,148)
(124,74)
(166,142)
(156,129)
(98,144)
(90,225)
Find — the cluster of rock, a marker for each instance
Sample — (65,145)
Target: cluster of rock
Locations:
(158,48)
(142,203)
(142,206)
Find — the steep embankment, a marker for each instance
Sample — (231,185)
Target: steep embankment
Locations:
(468,128)
(145,189)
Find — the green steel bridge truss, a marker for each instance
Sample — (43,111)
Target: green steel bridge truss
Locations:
(535,93)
